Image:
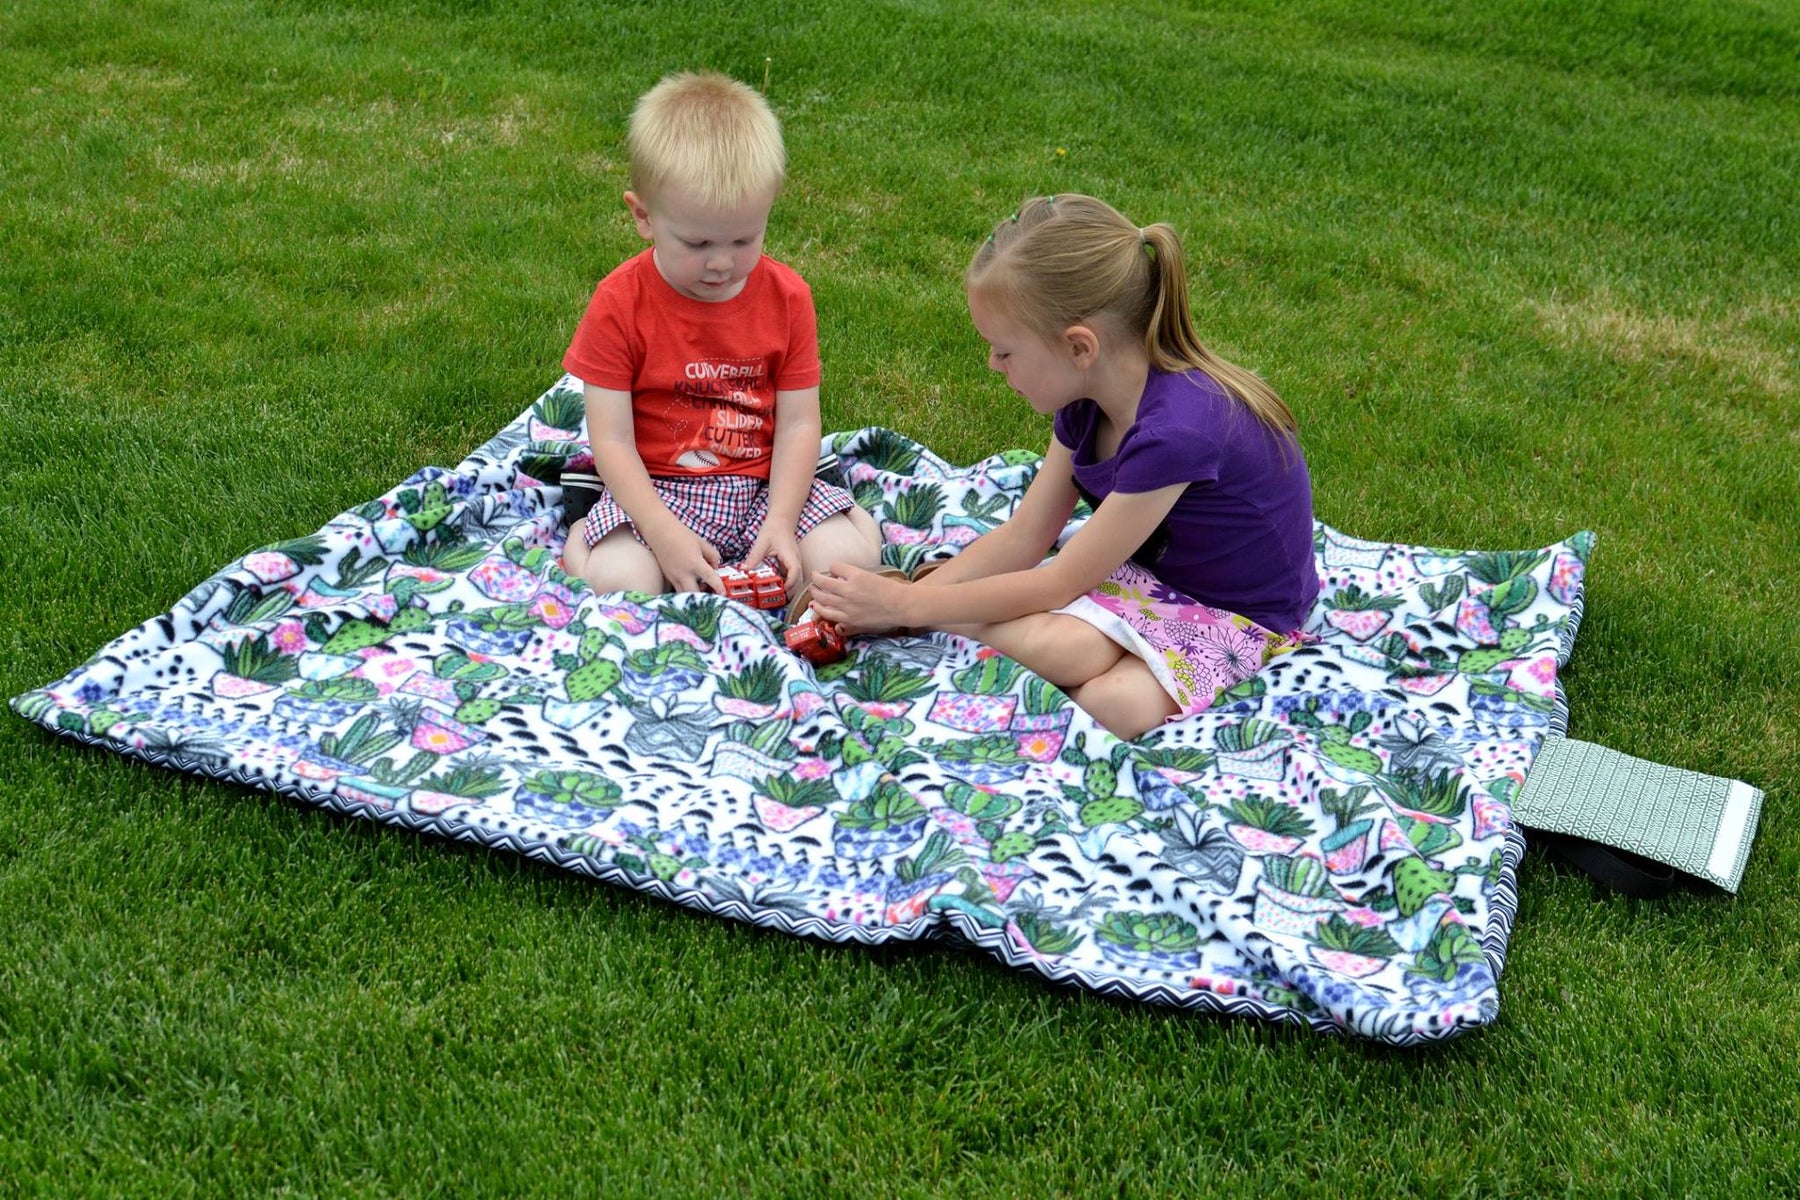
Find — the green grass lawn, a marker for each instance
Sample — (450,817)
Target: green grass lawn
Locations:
(1520,268)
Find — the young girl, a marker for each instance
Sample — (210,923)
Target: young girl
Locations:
(1197,565)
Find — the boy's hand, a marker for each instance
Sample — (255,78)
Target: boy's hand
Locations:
(688,561)
(861,601)
(784,549)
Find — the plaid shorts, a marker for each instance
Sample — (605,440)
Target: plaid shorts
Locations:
(726,510)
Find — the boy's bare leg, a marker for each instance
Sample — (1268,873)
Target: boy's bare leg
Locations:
(847,537)
(618,563)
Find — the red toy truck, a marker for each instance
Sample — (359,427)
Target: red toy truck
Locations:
(817,641)
(759,587)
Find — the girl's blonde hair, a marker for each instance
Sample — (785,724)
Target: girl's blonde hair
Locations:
(1064,260)
(715,139)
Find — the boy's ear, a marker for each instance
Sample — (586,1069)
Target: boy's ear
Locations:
(1083,345)
(639,215)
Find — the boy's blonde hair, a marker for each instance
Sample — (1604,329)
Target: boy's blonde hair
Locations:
(712,137)
(1065,260)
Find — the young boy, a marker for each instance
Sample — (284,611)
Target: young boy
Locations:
(701,364)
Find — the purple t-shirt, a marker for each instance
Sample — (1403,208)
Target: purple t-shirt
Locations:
(1240,537)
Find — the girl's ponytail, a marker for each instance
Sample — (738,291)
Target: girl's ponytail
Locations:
(1173,345)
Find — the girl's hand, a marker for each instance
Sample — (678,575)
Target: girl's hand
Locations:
(783,548)
(861,601)
(688,561)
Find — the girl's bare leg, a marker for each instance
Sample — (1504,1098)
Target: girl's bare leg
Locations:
(618,563)
(1116,688)
(1128,700)
(1065,650)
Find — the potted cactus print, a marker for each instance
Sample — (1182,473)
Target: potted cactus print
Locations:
(980,703)
(885,823)
(1347,948)
(566,799)
(347,753)
(1152,941)
(1347,847)
(1360,614)
(1293,894)
(1042,720)
(752,693)
(1267,826)
(916,878)
(326,701)
(753,750)
(1344,762)
(464,783)
(667,670)
(498,631)
(993,758)
(1255,749)
(784,801)
(883,689)
(252,667)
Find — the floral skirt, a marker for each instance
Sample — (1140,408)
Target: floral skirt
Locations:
(1196,651)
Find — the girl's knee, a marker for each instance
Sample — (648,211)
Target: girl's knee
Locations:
(1127,700)
(842,539)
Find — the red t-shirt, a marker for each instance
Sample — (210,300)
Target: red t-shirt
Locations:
(702,375)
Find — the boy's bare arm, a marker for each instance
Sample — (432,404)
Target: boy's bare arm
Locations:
(686,559)
(794,457)
(796,454)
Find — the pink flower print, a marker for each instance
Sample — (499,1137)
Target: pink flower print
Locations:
(289,637)
(1366,917)
(811,768)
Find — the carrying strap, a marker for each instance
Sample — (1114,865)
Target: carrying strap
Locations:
(1625,873)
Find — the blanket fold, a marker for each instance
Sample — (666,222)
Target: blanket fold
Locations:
(1331,845)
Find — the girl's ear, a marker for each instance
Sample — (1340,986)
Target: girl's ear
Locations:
(1083,345)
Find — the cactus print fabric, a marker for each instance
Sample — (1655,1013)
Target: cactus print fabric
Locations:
(1330,845)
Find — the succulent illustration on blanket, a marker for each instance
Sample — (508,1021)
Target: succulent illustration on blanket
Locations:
(988,758)
(883,687)
(888,452)
(1507,589)
(356,747)
(1158,940)
(1334,739)
(252,607)
(1266,825)
(1098,796)
(255,661)
(697,616)
(1450,949)
(463,782)
(885,822)
(664,670)
(327,700)
(566,799)
(424,508)
(754,692)
(918,875)
(784,801)
(283,560)
(1348,846)
(1359,613)
(1255,748)
(1350,948)
(914,512)
(589,676)
(655,861)
(869,737)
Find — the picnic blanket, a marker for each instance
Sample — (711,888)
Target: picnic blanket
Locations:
(1331,845)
